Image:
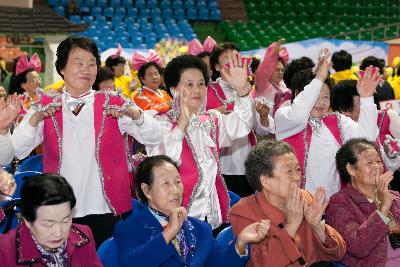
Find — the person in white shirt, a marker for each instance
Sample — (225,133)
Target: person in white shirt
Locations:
(82,135)
(222,96)
(8,113)
(192,137)
(315,134)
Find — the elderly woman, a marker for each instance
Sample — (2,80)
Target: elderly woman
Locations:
(160,224)
(47,237)
(7,187)
(297,237)
(8,113)
(365,211)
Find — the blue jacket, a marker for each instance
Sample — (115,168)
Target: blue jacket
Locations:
(140,243)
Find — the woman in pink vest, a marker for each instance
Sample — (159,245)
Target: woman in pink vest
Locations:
(314,133)
(8,113)
(82,135)
(193,137)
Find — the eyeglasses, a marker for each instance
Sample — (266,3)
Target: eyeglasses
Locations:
(35,80)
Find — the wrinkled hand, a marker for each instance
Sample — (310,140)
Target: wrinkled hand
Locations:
(185,112)
(129,111)
(38,116)
(278,45)
(323,66)
(382,186)
(237,74)
(254,232)
(176,219)
(294,209)
(313,212)
(9,112)
(263,110)
(366,85)
(7,183)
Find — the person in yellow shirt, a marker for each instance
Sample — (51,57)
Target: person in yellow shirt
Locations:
(342,62)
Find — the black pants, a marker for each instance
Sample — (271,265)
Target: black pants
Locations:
(102,225)
(238,184)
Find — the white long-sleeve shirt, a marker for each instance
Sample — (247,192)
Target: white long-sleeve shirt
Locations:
(78,164)
(232,126)
(6,149)
(234,156)
(321,166)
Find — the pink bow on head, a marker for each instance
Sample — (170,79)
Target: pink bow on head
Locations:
(283,53)
(196,48)
(139,59)
(117,53)
(23,64)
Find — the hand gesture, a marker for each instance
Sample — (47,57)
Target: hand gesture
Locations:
(367,83)
(185,112)
(278,45)
(38,116)
(382,186)
(323,66)
(9,112)
(254,232)
(294,208)
(7,183)
(263,110)
(176,219)
(313,212)
(237,74)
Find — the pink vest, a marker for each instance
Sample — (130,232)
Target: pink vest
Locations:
(110,151)
(383,126)
(192,174)
(301,141)
(216,98)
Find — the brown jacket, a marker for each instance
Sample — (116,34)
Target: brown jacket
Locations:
(279,248)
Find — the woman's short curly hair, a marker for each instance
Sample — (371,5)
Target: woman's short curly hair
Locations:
(216,53)
(348,154)
(261,161)
(178,65)
(295,66)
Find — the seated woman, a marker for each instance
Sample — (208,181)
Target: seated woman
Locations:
(365,211)
(47,236)
(296,237)
(7,187)
(160,233)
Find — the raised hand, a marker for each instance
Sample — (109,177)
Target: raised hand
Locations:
(323,66)
(313,212)
(367,83)
(252,233)
(278,45)
(7,183)
(294,209)
(176,219)
(38,116)
(263,110)
(9,112)
(382,186)
(237,74)
(185,112)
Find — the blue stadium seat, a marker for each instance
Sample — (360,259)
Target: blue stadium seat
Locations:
(234,198)
(225,236)
(140,4)
(127,3)
(87,19)
(19,178)
(60,10)
(64,2)
(75,19)
(115,3)
(101,20)
(215,14)
(177,4)
(191,14)
(53,2)
(144,13)
(203,14)
(200,4)
(102,3)
(189,4)
(108,12)
(8,168)
(34,163)
(155,12)
(179,14)
(167,14)
(108,253)
(165,4)
(89,3)
(152,3)
(85,11)
(11,220)
(120,12)
(132,12)
(96,11)
(213,4)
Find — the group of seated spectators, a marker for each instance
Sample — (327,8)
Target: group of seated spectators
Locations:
(314,192)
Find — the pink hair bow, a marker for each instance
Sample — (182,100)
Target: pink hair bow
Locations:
(117,53)
(23,64)
(196,48)
(139,59)
(283,53)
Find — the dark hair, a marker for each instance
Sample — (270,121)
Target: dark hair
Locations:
(204,54)
(255,62)
(348,154)
(178,65)
(145,66)
(145,174)
(294,67)
(103,74)
(20,79)
(343,94)
(261,161)
(111,61)
(374,61)
(42,190)
(304,77)
(341,60)
(216,53)
(70,43)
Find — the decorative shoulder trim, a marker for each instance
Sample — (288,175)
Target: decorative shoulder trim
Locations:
(42,104)
(81,238)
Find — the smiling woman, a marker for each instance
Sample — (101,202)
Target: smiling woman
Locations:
(47,235)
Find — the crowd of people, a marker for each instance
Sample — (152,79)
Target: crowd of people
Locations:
(150,159)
